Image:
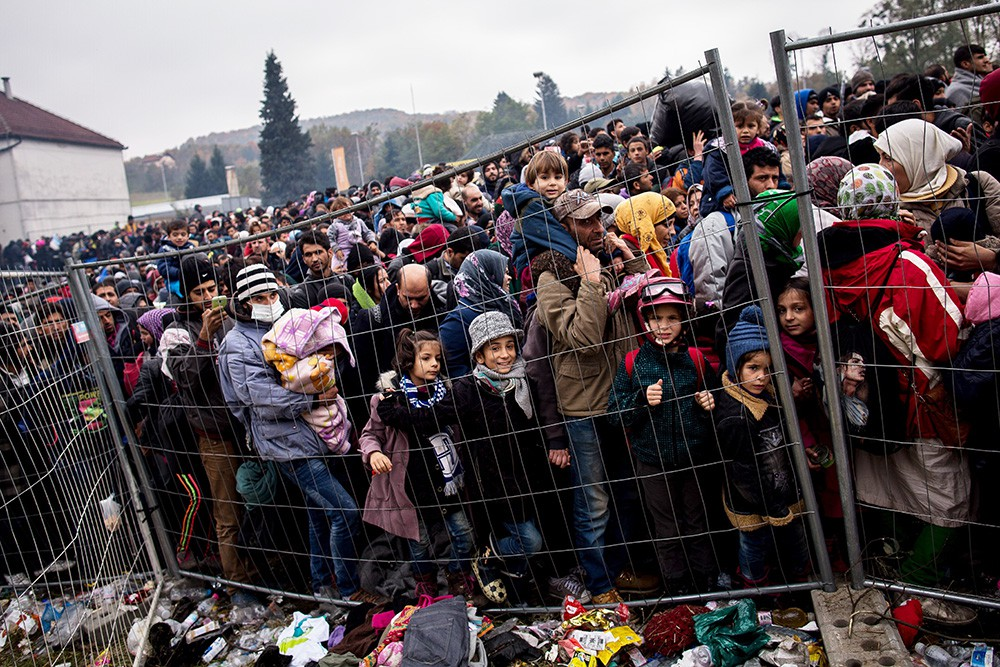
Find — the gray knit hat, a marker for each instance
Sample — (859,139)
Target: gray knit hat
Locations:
(490,326)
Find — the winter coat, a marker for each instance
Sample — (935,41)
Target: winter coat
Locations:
(375,330)
(414,481)
(710,250)
(506,449)
(537,229)
(674,434)
(170,267)
(964,87)
(977,384)
(166,428)
(313,291)
(927,211)
(429,205)
(454,335)
(882,277)
(253,392)
(587,341)
(193,365)
(760,488)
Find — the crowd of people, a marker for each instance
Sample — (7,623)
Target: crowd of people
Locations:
(551,373)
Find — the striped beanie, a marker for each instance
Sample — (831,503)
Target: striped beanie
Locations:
(254,279)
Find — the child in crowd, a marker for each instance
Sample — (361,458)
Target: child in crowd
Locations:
(531,204)
(431,207)
(654,396)
(178,237)
(761,497)
(798,342)
(417,474)
(747,117)
(503,437)
(306,347)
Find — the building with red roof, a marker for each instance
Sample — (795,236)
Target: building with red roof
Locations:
(56,177)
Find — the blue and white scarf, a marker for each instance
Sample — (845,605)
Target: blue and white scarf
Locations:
(444,446)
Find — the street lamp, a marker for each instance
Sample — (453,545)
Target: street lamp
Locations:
(361,165)
(541,98)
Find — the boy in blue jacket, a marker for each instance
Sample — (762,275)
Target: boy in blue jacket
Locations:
(178,238)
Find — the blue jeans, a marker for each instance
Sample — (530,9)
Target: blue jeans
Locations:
(460,532)
(591,502)
(522,540)
(756,547)
(334,519)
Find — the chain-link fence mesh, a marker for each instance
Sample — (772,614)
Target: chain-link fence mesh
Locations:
(72,536)
(896,167)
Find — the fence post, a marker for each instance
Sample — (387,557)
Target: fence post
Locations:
(111,393)
(824,334)
(756,252)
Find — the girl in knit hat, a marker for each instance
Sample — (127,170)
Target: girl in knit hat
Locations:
(761,495)
(496,407)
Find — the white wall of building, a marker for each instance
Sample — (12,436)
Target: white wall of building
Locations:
(51,188)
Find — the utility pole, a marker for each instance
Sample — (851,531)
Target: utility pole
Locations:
(541,98)
(416,126)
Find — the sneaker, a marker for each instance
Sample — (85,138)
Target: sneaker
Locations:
(18,580)
(643,584)
(571,584)
(609,597)
(327,592)
(944,612)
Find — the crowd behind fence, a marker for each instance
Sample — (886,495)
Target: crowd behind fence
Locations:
(487,382)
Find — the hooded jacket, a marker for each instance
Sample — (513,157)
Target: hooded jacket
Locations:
(192,364)
(882,276)
(964,87)
(536,230)
(253,392)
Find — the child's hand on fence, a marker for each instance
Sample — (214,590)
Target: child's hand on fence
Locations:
(559,457)
(654,393)
(380,463)
(705,400)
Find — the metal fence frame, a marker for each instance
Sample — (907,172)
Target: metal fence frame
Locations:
(781,49)
(714,70)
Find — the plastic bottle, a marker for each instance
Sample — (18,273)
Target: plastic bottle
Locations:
(984,656)
(206,606)
(188,621)
(935,656)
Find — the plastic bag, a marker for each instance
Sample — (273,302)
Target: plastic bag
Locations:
(732,633)
(112,513)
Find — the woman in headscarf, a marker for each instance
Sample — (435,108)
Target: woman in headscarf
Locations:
(824,176)
(776,214)
(646,225)
(481,285)
(907,457)
(917,152)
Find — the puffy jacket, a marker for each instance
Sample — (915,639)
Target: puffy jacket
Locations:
(537,230)
(255,396)
(883,277)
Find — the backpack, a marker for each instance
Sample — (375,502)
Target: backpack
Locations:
(697,358)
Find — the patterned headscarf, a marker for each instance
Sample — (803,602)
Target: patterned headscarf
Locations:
(479,285)
(152,321)
(637,216)
(824,176)
(868,192)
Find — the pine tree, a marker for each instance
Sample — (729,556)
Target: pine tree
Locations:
(217,172)
(507,115)
(286,166)
(555,110)
(198,182)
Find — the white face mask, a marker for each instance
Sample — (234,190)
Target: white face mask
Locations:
(266,312)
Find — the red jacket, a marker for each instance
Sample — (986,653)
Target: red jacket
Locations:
(878,272)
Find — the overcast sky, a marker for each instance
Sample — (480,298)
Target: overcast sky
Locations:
(154,74)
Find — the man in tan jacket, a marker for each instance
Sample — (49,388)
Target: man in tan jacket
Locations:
(588,342)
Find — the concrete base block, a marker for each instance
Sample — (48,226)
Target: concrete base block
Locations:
(855,634)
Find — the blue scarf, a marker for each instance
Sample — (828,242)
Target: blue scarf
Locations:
(437,392)
(444,446)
